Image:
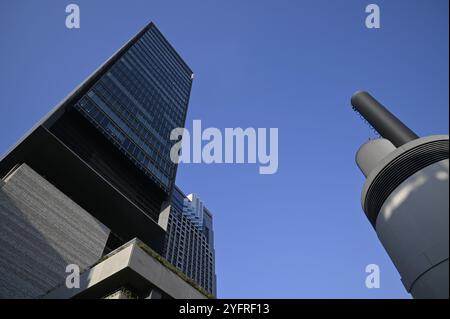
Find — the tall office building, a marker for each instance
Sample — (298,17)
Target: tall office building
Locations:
(96,171)
(190,240)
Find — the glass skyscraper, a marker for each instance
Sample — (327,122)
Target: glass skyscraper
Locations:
(93,181)
(138,102)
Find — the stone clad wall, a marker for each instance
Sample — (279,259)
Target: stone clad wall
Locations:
(41,232)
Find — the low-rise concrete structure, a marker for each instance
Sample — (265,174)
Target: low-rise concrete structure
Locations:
(131,271)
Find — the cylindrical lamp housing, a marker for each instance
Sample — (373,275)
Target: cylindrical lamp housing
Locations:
(406,198)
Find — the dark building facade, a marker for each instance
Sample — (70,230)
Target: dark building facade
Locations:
(189,244)
(107,146)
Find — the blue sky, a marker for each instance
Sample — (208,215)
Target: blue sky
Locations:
(300,233)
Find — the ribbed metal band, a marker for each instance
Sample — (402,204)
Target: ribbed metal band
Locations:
(398,170)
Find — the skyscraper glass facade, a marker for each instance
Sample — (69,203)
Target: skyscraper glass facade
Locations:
(139,100)
(189,243)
